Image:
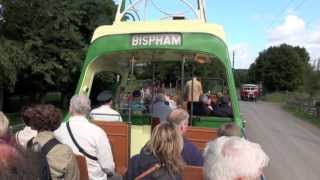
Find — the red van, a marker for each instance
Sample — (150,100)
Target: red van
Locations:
(250,92)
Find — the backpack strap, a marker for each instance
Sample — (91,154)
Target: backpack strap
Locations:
(152,169)
(49,145)
(81,150)
(29,143)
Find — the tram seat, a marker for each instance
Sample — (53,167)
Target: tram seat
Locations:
(154,122)
(118,135)
(200,136)
(82,164)
(192,172)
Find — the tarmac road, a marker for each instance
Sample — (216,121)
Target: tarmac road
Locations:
(292,145)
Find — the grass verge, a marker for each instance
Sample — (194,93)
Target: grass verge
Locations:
(277,97)
(303,116)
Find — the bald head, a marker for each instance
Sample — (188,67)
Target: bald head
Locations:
(80,105)
(179,117)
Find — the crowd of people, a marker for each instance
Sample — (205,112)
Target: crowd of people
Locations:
(50,146)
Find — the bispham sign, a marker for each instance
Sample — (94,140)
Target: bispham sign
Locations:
(146,40)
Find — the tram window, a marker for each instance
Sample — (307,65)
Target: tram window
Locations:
(213,99)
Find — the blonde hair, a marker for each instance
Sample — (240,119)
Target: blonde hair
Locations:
(4,124)
(166,144)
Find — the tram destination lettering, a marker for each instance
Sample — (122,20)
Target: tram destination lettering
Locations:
(156,40)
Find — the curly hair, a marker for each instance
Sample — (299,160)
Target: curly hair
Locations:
(44,117)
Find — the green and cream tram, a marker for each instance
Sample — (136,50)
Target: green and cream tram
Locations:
(126,47)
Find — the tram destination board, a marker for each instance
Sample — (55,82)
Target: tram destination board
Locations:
(160,39)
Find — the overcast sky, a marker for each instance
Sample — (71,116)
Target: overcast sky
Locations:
(253,25)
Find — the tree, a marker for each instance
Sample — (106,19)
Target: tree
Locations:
(53,37)
(280,68)
(312,80)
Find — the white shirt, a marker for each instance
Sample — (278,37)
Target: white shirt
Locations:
(105,113)
(93,140)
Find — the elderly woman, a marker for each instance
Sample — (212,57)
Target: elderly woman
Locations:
(233,158)
(62,163)
(161,156)
(24,135)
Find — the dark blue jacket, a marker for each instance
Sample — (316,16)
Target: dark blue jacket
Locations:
(190,154)
(142,162)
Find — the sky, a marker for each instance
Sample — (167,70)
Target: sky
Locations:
(254,25)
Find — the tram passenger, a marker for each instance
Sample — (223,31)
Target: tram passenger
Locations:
(229,129)
(214,100)
(223,109)
(137,104)
(93,144)
(62,162)
(171,101)
(160,108)
(161,156)
(24,135)
(190,152)
(233,158)
(105,111)
(197,90)
(203,108)
(5,136)
(14,165)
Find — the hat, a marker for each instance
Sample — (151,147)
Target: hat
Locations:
(105,95)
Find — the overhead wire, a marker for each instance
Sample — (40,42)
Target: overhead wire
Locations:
(285,9)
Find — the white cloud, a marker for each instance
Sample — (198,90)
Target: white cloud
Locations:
(295,32)
(243,55)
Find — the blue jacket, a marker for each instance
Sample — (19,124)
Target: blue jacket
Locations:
(142,162)
(190,154)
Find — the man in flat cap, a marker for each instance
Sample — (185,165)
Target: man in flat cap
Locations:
(105,111)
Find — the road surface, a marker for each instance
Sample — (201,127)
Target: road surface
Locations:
(292,145)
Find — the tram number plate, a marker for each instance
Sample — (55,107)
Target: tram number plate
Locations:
(173,39)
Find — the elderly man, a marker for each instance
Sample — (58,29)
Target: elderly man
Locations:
(87,139)
(190,153)
(233,158)
(105,111)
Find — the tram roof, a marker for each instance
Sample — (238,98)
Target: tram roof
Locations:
(182,26)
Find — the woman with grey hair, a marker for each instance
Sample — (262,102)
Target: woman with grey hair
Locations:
(233,158)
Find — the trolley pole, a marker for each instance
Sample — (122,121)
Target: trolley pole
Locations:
(233,54)
(182,79)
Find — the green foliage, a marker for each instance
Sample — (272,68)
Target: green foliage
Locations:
(312,80)
(10,56)
(276,97)
(46,41)
(280,68)
(241,77)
